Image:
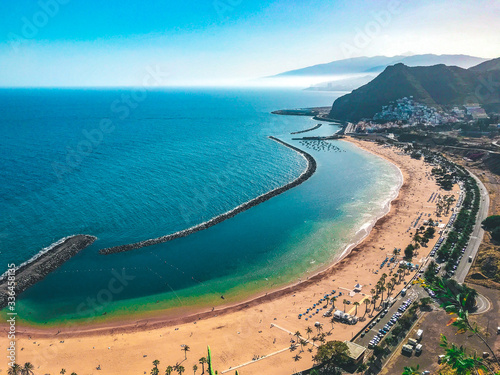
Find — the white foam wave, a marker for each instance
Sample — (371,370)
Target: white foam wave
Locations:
(38,255)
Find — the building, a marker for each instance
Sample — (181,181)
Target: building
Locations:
(356,352)
(476,111)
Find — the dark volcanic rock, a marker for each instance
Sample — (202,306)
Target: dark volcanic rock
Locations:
(35,270)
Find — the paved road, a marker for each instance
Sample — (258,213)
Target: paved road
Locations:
(349,128)
(477,234)
(482,304)
(414,293)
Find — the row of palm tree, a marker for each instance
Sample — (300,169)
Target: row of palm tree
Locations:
(169,370)
(385,286)
(27,369)
(177,367)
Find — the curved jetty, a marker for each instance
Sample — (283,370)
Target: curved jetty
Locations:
(311,168)
(46,261)
(323,138)
(308,130)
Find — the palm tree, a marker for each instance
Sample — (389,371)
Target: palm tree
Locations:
(63,371)
(401,273)
(457,358)
(297,358)
(393,280)
(345,303)
(409,370)
(195,368)
(303,342)
(374,299)
(27,369)
(390,287)
(15,369)
(155,371)
(367,302)
(457,305)
(297,335)
(156,363)
(405,268)
(356,304)
(169,370)
(185,349)
(308,331)
(180,369)
(202,362)
(382,289)
(319,327)
(334,299)
(74,373)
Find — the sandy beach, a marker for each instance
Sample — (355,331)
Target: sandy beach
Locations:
(261,328)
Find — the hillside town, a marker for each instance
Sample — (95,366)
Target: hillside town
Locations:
(407,112)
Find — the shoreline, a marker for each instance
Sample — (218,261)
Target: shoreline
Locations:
(44,262)
(262,325)
(304,176)
(387,206)
(155,321)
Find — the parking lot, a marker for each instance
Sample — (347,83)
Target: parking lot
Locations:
(386,320)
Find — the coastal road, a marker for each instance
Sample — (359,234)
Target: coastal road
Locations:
(477,234)
(413,292)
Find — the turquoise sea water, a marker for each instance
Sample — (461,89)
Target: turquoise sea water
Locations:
(125,168)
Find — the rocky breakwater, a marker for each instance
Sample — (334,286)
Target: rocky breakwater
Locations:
(46,261)
(308,172)
(307,130)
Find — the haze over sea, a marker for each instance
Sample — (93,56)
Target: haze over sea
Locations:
(168,161)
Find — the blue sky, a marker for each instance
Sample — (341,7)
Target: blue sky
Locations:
(114,43)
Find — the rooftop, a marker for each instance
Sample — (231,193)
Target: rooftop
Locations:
(355,350)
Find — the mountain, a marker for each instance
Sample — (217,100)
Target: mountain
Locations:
(377,64)
(487,66)
(438,85)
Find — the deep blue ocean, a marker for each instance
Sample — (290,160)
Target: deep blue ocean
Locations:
(126,166)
